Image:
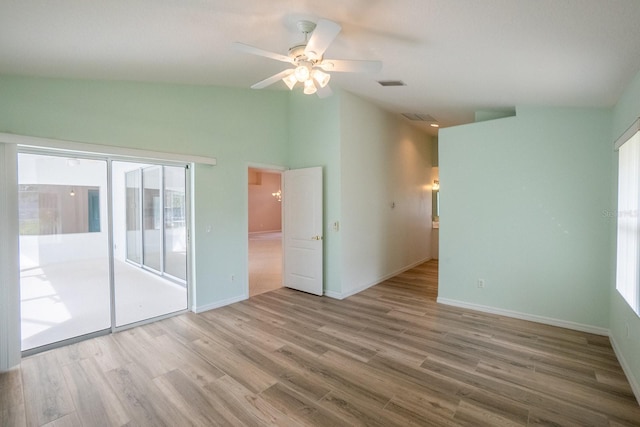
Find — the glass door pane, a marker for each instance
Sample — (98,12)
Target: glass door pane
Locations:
(175,228)
(133,182)
(145,290)
(152,217)
(64,248)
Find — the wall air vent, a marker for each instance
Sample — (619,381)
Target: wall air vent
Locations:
(386,83)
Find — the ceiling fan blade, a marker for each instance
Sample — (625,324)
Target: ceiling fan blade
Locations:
(350,66)
(324,92)
(321,38)
(261,52)
(271,80)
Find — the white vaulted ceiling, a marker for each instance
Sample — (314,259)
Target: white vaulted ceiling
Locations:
(455,56)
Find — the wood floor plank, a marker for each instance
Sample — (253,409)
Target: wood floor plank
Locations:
(76,352)
(296,379)
(192,402)
(476,415)
(359,413)
(251,376)
(300,408)
(137,344)
(337,378)
(390,355)
(12,412)
(424,393)
(46,394)
(418,414)
(144,402)
(69,420)
(95,405)
(109,355)
(262,410)
(189,361)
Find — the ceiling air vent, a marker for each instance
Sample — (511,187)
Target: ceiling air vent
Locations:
(417,117)
(386,83)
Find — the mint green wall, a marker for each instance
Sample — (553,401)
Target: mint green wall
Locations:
(384,161)
(624,114)
(522,202)
(236,126)
(314,140)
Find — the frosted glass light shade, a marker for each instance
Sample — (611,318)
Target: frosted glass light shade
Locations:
(309,87)
(321,77)
(290,81)
(302,73)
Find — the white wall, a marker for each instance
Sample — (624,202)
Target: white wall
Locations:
(385,194)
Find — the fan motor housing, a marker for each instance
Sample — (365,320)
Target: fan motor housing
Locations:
(297,54)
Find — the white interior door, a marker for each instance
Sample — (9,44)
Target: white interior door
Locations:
(302,226)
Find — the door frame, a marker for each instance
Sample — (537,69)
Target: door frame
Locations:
(188,282)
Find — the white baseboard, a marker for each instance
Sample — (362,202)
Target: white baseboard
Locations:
(525,316)
(343,295)
(333,294)
(633,381)
(218,304)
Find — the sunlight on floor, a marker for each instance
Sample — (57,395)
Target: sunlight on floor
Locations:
(42,307)
(64,300)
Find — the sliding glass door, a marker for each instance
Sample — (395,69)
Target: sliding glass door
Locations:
(175,223)
(64,248)
(88,267)
(152,217)
(133,202)
(151,275)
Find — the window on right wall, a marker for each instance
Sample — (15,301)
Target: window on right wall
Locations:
(628,227)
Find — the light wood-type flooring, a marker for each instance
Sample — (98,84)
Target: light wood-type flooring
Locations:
(265,262)
(387,356)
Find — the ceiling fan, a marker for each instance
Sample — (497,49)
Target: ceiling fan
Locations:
(310,67)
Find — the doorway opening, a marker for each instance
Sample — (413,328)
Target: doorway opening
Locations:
(74,227)
(265,230)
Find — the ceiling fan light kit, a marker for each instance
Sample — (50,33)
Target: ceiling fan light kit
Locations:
(309,87)
(303,71)
(308,59)
(290,80)
(321,77)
